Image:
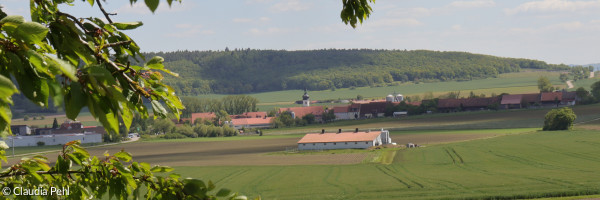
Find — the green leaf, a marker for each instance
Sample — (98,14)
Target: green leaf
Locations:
(91,2)
(152,4)
(75,98)
(38,62)
(223,192)
(123,156)
(12,20)
(155,63)
(161,169)
(127,25)
(65,67)
(31,32)
(7,89)
(158,108)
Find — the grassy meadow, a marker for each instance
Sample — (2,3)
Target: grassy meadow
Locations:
(522,82)
(531,165)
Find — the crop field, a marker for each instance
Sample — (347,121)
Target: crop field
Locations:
(540,164)
(85,118)
(523,82)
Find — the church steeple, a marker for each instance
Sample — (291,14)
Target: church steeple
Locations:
(305,99)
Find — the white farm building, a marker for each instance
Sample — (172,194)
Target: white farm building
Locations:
(344,140)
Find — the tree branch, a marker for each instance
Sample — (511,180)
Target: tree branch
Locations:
(117,44)
(74,20)
(107,15)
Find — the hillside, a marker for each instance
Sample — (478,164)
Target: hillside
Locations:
(247,71)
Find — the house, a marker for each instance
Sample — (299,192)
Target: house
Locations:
(209,116)
(551,99)
(470,104)
(60,139)
(344,140)
(346,112)
(374,109)
(531,100)
(511,101)
(249,115)
(569,98)
(20,130)
(299,112)
(252,122)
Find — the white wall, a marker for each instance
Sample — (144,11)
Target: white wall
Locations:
(345,115)
(337,145)
(24,141)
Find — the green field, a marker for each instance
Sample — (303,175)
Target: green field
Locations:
(540,164)
(523,82)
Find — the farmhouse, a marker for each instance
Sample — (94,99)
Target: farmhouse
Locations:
(299,112)
(470,104)
(346,112)
(209,116)
(511,101)
(239,123)
(344,140)
(249,115)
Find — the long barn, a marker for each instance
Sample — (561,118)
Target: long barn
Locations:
(344,140)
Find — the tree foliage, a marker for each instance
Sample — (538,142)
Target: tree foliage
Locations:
(246,70)
(544,84)
(559,119)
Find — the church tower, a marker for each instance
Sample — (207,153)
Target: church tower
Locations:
(305,101)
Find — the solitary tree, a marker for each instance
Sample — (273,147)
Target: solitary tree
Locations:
(544,84)
(55,124)
(559,119)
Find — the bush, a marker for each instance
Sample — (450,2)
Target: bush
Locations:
(40,143)
(559,119)
(173,136)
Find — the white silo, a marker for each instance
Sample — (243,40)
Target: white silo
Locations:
(389,98)
(399,98)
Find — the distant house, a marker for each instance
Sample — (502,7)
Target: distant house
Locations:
(374,109)
(251,122)
(551,99)
(299,112)
(470,104)
(209,116)
(344,140)
(531,100)
(249,115)
(511,101)
(346,112)
(569,98)
(73,127)
(20,130)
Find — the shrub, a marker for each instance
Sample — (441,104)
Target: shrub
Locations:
(40,143)
(559,119)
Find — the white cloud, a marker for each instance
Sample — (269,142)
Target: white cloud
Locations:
(473,4)
(241,20)
(390,22)
(290,5)
(546,6)
(268,31)
(189,30)
(248,20)
(457,27)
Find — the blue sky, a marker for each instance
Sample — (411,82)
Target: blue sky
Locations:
(555,31)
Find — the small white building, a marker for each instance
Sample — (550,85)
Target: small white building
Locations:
(344,140)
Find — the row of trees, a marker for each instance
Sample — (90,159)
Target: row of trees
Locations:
(232,104)
(229,71)
(285,119)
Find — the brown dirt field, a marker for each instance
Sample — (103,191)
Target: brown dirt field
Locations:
(248,152)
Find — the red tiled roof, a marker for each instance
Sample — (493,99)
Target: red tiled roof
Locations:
(551,96)
(341,109)
(251,121)
(250,115)
(511,99)
(302,111)
(416,103)
(531,98)
(339,137)
(203,116)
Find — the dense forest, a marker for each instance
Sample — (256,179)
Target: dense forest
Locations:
(246,70)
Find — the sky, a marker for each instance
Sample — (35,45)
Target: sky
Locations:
(555,31)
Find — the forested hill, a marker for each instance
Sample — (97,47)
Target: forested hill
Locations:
(245,71)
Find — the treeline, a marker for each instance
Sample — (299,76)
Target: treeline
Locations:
(232,105)
(247,70)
